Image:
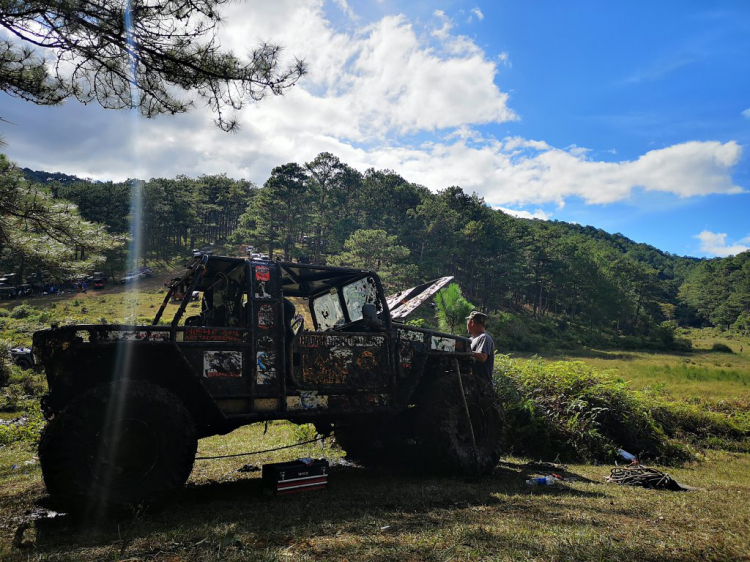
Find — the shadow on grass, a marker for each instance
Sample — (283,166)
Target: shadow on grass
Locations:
(355,496)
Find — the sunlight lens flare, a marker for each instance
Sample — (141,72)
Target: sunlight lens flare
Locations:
(119,438)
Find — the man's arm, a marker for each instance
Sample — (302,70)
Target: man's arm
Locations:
(479,356)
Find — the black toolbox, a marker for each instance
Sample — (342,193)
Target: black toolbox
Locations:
(301,475)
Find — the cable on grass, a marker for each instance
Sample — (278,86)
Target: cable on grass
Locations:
(320,438)
(637,475)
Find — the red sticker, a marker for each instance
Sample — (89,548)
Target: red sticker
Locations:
(262,273)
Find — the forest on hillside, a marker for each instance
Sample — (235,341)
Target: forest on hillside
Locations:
(537,278)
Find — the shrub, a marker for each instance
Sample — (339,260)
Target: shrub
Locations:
(721,348)
(4,375)
(696,424)
(569,411)
(26,428)
(22,311)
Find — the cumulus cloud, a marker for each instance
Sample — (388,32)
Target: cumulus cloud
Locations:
(715,244)
(537,214)
(382,79)
(515,171)
(746,113)
(385,94)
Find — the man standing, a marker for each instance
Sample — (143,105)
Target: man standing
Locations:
(482,346)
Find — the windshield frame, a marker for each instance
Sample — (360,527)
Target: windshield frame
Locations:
(340,295)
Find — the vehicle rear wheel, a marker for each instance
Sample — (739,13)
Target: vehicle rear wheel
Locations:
(443,430)
(118,446)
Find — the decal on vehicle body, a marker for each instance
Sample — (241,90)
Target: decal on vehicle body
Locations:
(339,340)
(212,334)
(323,371)
(265,404)
(260,292)
(265,316)
(411,335)
(266,373)
(443,344)
(222,364)
(307,400)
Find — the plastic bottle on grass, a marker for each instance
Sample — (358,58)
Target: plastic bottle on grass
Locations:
(542,481)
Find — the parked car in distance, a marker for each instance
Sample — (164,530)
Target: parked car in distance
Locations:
(25,290)
(23,357)
(7,293)
(206,250)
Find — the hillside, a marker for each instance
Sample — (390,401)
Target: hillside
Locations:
(527,273)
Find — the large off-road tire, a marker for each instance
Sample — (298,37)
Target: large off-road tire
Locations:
(443,430)
(118,446)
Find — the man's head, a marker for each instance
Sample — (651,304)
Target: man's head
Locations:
(475,322)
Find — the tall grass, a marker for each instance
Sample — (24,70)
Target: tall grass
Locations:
(571,411)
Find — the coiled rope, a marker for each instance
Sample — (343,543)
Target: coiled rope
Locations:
(637,475)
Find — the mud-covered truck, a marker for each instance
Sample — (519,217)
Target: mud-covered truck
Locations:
(269,341)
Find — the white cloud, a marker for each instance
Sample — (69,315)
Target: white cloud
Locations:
(746,113)
(477,13)
(715,244)
(443,32)
(521,172)
(347,9)
(386,94)
(537,214)
(382,79)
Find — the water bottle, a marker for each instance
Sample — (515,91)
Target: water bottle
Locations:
(542,481)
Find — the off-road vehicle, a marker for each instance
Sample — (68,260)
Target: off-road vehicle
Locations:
(271,340)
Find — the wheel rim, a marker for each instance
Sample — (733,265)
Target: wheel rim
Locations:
(129,450)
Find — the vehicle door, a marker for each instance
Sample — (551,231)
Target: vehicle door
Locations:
(345,363)
(216,342)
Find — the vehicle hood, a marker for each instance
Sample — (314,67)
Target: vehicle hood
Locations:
(405,302)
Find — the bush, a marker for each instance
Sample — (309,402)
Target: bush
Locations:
(26,428)
(700,425)
(22,311)
(567,410)
(721,348)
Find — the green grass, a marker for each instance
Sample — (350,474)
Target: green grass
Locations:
(384,515)
(118,304)
(701,373)
(224,513)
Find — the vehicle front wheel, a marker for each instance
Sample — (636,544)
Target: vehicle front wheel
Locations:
(118,446)
(444,432)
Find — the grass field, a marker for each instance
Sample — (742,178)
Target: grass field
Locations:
(701,373)
(368,514)
(224,514)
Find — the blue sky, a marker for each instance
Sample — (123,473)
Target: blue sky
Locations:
(627,78)
(631,117)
